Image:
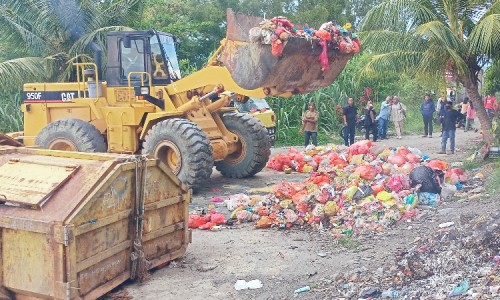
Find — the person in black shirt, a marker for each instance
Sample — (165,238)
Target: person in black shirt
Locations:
(350,114)
(370,122)
(450,120)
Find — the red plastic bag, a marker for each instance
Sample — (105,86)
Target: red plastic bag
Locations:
(195,221)
(437,165)
(398,160)
(455,175)
(376,188)
(366,172)
(412,158)
(284,190)
(217,218)
(397,183)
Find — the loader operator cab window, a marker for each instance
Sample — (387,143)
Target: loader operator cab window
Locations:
(132,59)
(167,44)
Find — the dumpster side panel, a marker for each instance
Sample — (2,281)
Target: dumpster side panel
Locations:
(165,217)
(28,262)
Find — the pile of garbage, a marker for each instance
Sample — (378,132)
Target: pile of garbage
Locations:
(276,32)
(362,188)
(457,260)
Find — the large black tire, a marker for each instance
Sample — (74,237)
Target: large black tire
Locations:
(184,147)
(254,146)
(71,135)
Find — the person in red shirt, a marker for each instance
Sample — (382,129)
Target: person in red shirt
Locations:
(491,105)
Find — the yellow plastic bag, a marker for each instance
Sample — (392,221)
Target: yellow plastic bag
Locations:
(384,196)
(331,208)
(356,159)
(349,192)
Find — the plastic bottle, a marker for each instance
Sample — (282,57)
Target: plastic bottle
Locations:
(302,289)
(390,294)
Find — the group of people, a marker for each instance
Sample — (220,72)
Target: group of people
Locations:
(393,110)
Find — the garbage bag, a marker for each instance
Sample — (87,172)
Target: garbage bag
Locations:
(438,165)
(362,192)
(426,177)
(397,183)
(284,190)
(217,218)
(455,175)
(366,172)
(195,221)
(397,159)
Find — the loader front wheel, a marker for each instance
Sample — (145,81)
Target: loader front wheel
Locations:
(253,149)
(183,147)
(71,135)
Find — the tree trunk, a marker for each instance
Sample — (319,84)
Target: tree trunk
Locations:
(475,97)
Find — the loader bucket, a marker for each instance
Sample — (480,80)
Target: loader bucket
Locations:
(297,70)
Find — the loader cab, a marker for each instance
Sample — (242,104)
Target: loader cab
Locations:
(141,51)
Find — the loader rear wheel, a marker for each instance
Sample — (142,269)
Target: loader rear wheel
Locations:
(254,146)
(183,147)
(71,135)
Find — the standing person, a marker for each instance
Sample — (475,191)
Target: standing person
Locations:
(349,115)
(463,110)
(471,115)
(491,105)
(451,117)
(398,114)
(427,109)
(310,125)
(370,122)
(383,117)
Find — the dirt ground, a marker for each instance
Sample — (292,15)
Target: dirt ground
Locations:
(284,260)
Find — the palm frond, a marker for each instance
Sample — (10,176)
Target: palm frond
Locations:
(397,15)
(439,33)
(12,26)
(381,41)
(98,35)
(15,72)
(394,62)
(485,38)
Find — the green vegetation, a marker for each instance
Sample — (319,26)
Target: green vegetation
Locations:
(425,39)
(348,242)
(493,182)
(40,40)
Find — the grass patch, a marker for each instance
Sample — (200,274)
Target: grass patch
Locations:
(471,165)
(493,181)
(348,242)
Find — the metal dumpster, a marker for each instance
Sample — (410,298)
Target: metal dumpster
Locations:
(76,225)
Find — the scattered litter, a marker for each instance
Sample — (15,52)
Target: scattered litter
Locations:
(243,285)
(447,224)
(350,190)
(302,289)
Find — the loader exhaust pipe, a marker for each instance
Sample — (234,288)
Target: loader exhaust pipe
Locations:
(97,58)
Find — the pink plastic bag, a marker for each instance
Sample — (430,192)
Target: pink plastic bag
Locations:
(217,218)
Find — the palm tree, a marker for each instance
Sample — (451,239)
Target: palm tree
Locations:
(426,38)
(41,37)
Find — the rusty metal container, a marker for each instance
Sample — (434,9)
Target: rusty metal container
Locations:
(76,225)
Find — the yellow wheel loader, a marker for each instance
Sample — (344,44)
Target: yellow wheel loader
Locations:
(144,106)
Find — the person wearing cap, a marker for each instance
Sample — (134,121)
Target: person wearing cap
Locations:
(450,120)
(310,125)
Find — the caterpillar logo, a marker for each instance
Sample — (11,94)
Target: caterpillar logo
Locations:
(60,96)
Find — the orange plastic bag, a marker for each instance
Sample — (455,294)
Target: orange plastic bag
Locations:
(366,172)
(284,190)
(438,165)
(264,222)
